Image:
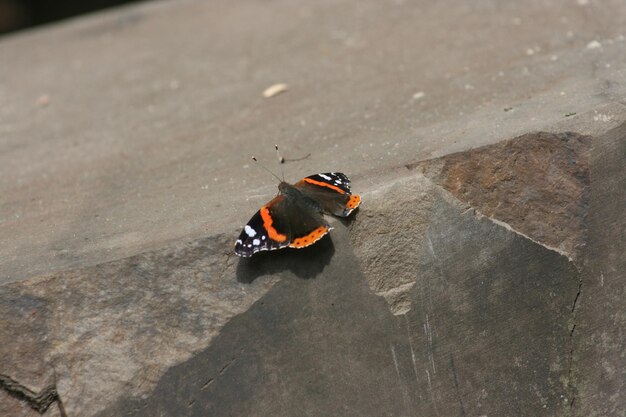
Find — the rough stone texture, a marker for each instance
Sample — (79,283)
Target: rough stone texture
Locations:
(28,402)
(329,346)
(24,335)
(116,327)
(601,317)
(483,320)
(123,192)
(393,230)
(479,320)
(537,183)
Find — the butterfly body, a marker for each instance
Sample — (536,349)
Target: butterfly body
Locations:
(294,218)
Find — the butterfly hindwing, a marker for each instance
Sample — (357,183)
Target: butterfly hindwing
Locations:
(283,222)
(306,223)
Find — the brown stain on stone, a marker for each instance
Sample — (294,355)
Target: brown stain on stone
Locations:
(537,183)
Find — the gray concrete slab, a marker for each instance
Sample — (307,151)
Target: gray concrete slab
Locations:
(128,129)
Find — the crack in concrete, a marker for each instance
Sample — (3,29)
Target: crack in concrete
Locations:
(570,365)
(225,367)
(206,384)
(456,386)
(39,402)
(221,372)
(575,303)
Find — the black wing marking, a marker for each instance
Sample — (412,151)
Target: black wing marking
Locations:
(259,235)
(332,191)
(281,223)
(334,179)
(254,238)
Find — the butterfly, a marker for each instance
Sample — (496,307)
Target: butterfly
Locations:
(294,218)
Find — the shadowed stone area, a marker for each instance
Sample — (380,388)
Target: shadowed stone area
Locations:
(600,334)
(490,321)
(537,183)
(488,334)
(309,347)
(114,328)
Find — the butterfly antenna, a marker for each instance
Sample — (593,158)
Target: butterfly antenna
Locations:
(281,161)
(262,166)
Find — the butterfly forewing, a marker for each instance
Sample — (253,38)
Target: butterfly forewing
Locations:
(332,180)
(262,231)
(332,191)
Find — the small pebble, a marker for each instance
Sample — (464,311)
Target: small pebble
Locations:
(274,90)
(594,45)
(43,100)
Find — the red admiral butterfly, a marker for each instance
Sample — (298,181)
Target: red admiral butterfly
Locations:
(294,217)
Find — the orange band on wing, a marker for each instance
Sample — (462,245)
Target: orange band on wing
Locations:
(267,224)
(311,238)
(354,201)
(324,184)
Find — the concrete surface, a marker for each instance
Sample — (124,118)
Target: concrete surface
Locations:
(481,276)
(600,366)
(153,111)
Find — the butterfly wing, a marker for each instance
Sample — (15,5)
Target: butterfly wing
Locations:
(281,223)
(260,233)
(332,191)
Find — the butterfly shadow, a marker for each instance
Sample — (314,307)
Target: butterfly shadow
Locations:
(306,263)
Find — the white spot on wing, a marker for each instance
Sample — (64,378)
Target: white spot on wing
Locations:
(249,231)
(326,177)
(256,242)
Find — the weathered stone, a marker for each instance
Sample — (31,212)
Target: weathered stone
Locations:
(479,320)
(317,346)
(388,233)
(114,328)
(599,355)
(537,183)
(30,402)
(488,335)
(24,345)
(491,319)
(121,198)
